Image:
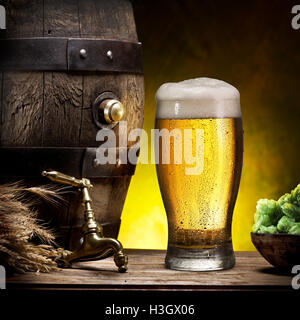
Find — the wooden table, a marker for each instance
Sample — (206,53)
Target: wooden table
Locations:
(146,271)
(97,288)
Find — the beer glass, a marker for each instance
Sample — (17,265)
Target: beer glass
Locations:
(200,120)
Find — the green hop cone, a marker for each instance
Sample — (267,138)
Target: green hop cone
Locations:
(270,229)
(291,211)
(286,198)
(288,225)
(267,214)
(279,216)
(285,224)
(295,229)
(295,196)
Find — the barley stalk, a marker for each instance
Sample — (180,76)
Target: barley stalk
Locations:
(19,224)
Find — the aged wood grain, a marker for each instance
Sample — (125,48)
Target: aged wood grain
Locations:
(53,109)
(146,271)
(61,19)
(107,19)
(22,100)
(22,105)
(62,109)
(62,91)
(24,18)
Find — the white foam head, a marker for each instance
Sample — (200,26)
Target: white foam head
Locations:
(197,99)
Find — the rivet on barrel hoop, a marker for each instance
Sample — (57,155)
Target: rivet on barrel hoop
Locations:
(83,53)
(109,54)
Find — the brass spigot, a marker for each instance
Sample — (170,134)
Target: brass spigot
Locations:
(113,110)
(94,245)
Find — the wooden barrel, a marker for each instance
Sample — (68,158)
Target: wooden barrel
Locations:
(50,95)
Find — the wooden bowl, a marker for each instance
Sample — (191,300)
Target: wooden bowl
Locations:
(281,250)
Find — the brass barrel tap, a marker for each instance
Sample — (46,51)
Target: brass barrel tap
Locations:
(94,245)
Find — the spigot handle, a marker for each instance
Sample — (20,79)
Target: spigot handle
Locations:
(65,179)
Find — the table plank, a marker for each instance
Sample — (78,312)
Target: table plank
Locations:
(146,271)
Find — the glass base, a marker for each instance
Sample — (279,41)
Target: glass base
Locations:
(218,258)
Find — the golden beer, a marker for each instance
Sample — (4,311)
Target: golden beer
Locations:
(199,204)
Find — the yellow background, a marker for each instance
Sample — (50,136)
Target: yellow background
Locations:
(251,45)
